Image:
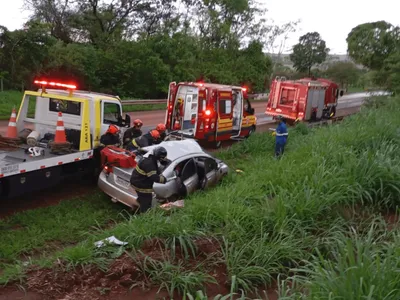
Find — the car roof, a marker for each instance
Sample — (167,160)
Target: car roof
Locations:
(177,149)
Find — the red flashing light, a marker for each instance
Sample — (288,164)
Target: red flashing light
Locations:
(208,112)
(56,84)
(244,89)
(108,169)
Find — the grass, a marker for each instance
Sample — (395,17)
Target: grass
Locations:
(9,99)
(312,219)
(36,234)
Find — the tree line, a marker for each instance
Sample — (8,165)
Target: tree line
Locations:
(134,48)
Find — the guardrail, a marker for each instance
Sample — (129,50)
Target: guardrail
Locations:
(164,101)
(144,101)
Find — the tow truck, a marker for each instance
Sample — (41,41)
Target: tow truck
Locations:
(86,117)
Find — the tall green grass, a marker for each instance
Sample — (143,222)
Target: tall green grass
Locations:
(283,216)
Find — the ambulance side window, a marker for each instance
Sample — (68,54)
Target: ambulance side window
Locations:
(225,106)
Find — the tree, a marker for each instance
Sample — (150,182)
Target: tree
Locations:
(370,44)
(310,50)
(344,73)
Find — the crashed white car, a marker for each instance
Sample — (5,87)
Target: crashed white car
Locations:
(192,167)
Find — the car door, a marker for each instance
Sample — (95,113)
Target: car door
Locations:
(210,170)
(189,177)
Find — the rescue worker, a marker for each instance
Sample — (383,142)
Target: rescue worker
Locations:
(161,128)
(145,140)
(111,137)
(145,175)
(133,132)
(281,134)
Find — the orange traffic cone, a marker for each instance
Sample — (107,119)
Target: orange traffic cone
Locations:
(12,126)
(60,137)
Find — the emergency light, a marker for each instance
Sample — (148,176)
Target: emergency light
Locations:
(55,84)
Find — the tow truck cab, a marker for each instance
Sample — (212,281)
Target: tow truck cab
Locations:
(79,110)
(86,116)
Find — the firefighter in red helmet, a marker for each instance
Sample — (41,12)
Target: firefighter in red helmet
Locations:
(133,132)
(161,128)
(111,137)
(145,140)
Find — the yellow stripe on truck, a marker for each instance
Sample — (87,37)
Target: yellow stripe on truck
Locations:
(97,125)
(85,129)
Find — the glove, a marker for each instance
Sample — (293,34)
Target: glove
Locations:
(274,133)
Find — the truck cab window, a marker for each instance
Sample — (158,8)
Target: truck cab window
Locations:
(65,107)
(112,113)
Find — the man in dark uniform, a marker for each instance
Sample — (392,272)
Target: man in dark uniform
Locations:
(111,137)
(145,140)
(133,132)
(144,176)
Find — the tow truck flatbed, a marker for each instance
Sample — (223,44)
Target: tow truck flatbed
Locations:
(16,161)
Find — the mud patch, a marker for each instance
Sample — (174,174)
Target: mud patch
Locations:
(123,280)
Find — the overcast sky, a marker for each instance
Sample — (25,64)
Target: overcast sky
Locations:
(332,19)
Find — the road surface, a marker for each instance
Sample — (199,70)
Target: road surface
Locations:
(150,119)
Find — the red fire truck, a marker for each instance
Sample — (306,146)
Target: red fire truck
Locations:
(209,112)
(307,99)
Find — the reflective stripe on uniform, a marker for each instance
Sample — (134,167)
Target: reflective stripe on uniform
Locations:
(149,174)
(147,191)
(135,144)
(282,134)
(140,171)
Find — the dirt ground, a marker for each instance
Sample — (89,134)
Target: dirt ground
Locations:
(124,280)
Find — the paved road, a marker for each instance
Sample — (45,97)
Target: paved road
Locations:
(152,118)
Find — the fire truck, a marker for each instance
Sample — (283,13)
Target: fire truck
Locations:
(86,116)
(307,99)
(209,112)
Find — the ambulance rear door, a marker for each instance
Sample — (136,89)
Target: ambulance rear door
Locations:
(225,114)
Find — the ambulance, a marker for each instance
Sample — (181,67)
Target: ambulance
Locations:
(209,113)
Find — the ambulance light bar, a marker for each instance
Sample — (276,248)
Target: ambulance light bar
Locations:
(55,84)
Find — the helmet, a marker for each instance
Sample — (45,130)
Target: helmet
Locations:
(161,127)
(137,122)
(155,134)
(113,129)
(160,153)
(180,100)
